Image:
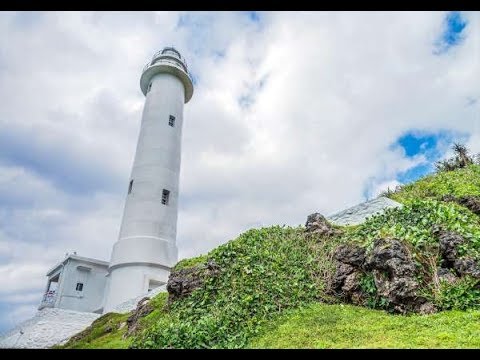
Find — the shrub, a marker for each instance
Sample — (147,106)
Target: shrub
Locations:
(263,272)
(461,295)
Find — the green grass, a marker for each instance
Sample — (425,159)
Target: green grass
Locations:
(413,224)
(263,272)
(345,326)
(187,263)
(96,336)
(460,182)
(159,303)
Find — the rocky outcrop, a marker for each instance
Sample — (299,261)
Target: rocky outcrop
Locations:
(350,254)
(348,274)
(391,257)
(317,225)
(449,242)
(143,309)
(446,275)
(393,271)
(467,266)
(182,282)
(471,202)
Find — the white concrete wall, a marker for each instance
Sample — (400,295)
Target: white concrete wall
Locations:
(131,281)
(131,304)
(91,296)
(146,246)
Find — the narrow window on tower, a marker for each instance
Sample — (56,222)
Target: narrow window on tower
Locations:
(79,287)
(130,186)
(149,87)
(165,196)
(171,121)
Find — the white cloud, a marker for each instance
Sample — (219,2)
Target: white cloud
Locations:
(385,186)
(338,89)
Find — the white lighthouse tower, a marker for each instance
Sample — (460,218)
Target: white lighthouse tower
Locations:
(146,250)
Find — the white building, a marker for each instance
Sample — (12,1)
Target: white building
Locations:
(76,283)
(146,247)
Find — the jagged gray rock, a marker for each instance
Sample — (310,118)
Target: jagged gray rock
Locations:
(467,266)
(143,309)
(350,254)
(182,282)
(394,274)
(393,271)
(446,275)
(449,242)
(318,224)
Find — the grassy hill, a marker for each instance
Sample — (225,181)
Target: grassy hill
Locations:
(273,285)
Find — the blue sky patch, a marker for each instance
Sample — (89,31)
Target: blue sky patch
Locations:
(414,144)
(452,34)
(415,173)
(430,144)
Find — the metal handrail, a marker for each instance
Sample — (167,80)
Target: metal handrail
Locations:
(161,52)
(165,58)
(49,297)
(163,61)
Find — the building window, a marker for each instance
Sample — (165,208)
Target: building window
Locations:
(165,196)
(171,121)
(130,186)
(79,287)
(149,87)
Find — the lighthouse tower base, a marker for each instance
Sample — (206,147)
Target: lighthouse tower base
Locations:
(125,283)
(135,268)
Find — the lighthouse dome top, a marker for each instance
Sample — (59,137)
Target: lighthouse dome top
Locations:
(168,60)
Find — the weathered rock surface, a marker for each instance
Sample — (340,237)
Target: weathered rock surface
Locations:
(467,266)
(394,274)
(449,242)
(392,256)
(350,254)
(143,309)
(182,282)
(393,271)
(346,280)
(446,275)
(317,224)
(341,273)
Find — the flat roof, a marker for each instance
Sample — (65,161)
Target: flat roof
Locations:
(78,258)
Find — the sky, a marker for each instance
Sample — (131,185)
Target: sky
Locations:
(292,113)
